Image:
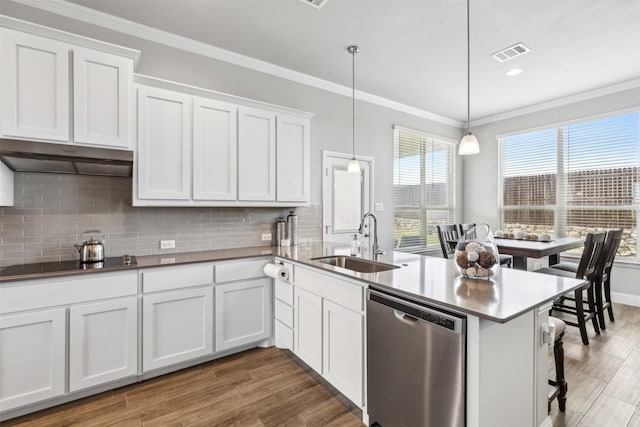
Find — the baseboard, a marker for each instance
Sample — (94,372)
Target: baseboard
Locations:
(547,422)
(628,299)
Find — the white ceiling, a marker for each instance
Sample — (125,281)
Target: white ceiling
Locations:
(413,51)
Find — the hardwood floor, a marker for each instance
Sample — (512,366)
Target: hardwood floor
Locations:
(603,377)
(260,387)
(270,387)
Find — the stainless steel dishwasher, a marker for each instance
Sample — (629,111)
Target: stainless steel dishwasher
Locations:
(416,363)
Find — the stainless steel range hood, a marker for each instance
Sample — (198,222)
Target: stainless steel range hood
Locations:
(46,157)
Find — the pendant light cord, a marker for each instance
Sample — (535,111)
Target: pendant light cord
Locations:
(353,101)
(468,72)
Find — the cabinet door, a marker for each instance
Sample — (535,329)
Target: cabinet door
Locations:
(243,313)
(256,155)
(292,159)
(35,87)
(32,357)
(102,98)
(215,171)
(164,145)
(177,326)
(103,342)
(342,346)
(308,328)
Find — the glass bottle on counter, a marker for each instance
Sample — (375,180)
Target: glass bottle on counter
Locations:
(356,246)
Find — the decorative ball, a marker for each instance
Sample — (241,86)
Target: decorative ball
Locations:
(487,259)
(475,246)
(473,256)
(498,233)
(471,272)
(463,260)
(545,237)
(519,235)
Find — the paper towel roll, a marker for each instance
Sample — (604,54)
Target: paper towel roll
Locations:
(276,271)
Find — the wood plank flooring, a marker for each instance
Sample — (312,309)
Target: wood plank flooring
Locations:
(259,387)
(603,377)
(271,387)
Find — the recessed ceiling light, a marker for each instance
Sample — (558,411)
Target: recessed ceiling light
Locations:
(514,72)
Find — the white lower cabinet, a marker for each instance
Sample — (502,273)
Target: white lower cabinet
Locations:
(32,357)
(103,342)
(342,350)
(329,329)
(308,328)
(177,326)
(243,313)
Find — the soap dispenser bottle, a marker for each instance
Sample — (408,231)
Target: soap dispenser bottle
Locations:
(356,246)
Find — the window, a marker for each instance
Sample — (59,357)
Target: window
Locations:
(423,188)
(573,179)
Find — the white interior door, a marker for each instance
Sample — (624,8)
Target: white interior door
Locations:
(346,197)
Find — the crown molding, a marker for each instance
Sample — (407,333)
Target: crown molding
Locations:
(94,17)
(572,99)
(66,37)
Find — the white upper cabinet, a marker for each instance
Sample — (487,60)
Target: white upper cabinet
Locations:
(35,87)
(195,148)
(292,159)
(102,85)
(257,154)
(215,164)
(164,144)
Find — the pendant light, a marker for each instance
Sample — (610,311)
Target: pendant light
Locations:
(468,143)
(354,166)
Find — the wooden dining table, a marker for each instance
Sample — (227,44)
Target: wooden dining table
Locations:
(521,250)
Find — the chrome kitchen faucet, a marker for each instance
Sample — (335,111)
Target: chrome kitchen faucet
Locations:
(376,247)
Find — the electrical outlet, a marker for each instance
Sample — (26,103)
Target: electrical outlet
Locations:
(537,265)
(167,244)
(379,207)
(266,236)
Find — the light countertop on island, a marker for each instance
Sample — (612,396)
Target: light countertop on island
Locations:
(435,280)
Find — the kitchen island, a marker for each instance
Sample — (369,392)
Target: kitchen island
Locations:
(506,357)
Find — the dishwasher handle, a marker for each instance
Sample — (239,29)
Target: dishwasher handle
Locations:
(404,317)
(403,310)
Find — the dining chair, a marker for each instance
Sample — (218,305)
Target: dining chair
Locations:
(446,233)
(602,276)
(602,280)
(593,246)
(558,383)
(504,259)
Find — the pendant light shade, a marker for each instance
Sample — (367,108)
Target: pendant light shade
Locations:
(354,166)
(469,143)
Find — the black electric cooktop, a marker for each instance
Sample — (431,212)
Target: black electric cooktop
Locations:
(111,263)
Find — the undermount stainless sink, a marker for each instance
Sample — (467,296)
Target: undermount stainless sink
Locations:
(355,264)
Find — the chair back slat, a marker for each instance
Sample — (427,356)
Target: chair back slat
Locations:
(611,245)
(466,227)
(447,232)
(593,246)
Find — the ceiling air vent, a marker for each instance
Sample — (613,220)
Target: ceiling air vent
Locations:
(510,52)
(315,3)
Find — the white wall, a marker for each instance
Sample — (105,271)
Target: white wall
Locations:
(330,127)
(480,181)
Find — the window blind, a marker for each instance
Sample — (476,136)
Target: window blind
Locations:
(574,179)
(423,190)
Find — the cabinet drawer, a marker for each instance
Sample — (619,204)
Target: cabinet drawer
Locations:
(283,336)
(347,294)
(284,313)
(242,270)
(284,291)
(34,294)
(166,278)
